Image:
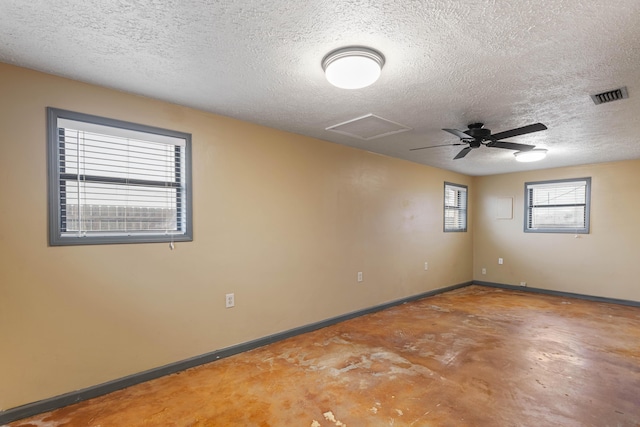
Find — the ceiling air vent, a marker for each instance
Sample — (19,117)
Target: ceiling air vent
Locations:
(612,95)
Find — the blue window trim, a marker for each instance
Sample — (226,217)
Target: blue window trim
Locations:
(56,236)
(466,208)
(566,230)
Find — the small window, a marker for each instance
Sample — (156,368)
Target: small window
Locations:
(560,206)
(455,207)
(116,182)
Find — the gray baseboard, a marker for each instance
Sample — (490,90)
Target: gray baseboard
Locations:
(60,401)
(559,293)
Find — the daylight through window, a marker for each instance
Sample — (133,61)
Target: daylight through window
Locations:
(455,207)
(557,206)
(116,182)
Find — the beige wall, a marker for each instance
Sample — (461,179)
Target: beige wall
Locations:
(282,220)
(605,262)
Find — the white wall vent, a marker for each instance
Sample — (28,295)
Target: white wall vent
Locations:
(612,95)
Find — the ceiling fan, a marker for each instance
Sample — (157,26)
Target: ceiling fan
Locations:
(477,136)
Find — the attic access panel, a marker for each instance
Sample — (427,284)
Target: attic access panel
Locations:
(368,127)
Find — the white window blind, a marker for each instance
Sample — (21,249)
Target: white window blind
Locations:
(455,207)
(558,206)
(118,182)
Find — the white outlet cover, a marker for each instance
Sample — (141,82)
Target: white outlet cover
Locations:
(359,276)
(230,300)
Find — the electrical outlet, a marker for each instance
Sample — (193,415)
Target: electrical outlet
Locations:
(230,300)
(359,276)
(484,271)
(500,261)
(523,283)
(426,265)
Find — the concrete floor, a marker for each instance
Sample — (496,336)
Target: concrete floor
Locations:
(476,356)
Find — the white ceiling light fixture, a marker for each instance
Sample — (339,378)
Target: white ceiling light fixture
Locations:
(531,155)
(353,67)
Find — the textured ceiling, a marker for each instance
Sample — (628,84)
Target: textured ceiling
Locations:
(448,63)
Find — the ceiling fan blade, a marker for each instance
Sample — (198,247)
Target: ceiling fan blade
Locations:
(458,133)
(510,145)
(536,127)
(463,153)
(433,146)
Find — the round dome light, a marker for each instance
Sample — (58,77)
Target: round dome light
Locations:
(531,155)
(353,67)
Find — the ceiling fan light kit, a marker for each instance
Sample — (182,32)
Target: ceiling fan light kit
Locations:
(353,67)
(531,155)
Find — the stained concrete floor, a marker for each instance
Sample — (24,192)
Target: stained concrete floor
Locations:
(476,356)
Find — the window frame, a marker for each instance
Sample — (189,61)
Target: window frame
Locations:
(465,210)
(563,230)
(58,236)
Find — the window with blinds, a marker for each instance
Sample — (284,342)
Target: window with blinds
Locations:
(455,207)
(560,206)
(116,182)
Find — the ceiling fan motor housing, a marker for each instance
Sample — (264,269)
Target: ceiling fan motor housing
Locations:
(476,131)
